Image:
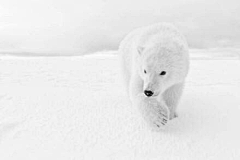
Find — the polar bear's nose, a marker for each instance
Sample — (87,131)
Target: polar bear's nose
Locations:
(148,93)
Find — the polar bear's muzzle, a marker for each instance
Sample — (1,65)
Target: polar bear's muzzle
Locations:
(151,90)
(148,93)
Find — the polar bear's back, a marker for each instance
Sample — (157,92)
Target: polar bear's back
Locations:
(158,33)
(147,36)
(127,46)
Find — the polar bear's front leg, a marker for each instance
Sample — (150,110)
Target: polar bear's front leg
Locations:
(155,112)
(172,96)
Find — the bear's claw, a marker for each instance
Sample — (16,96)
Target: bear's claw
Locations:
(159,116)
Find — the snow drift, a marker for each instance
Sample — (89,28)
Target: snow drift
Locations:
(76,108)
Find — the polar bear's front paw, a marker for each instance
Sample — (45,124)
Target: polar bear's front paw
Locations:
(156,114)
(159,116)
(160,120)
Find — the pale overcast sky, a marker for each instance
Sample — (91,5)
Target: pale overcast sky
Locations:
(77,26)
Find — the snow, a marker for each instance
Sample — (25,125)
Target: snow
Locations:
(77,108)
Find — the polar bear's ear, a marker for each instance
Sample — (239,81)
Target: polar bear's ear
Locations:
(140,50)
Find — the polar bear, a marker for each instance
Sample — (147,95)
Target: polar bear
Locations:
(155,63)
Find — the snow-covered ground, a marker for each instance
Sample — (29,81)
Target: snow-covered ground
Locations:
(67,108)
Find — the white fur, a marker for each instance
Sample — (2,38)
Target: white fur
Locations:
(155,48)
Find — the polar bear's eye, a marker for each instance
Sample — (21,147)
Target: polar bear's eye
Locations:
(145,71)
(163,73)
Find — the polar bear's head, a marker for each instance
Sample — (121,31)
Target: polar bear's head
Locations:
(161,66)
